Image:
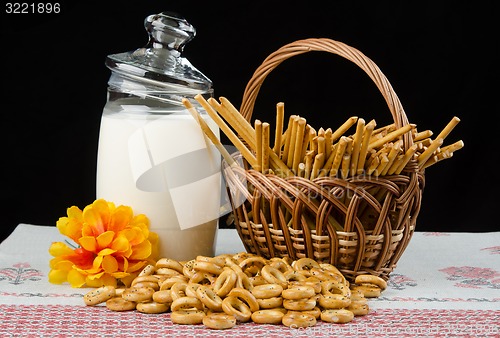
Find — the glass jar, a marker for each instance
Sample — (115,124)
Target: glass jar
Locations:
(152,154)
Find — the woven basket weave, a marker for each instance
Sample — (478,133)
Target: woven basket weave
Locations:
(294,216)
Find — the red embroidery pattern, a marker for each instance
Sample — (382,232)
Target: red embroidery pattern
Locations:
(473,277)
(63,321)
(400,282)
(41,295)
(436,299)
(20,273)
(435,234)
(494,250)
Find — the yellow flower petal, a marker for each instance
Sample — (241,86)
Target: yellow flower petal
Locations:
(109,264)
(95,276)
(119,274)
(75,213)
(120,218)
(134,235)
(88,243)
(53,262)
(71,226)
(135,266)
(101,207)
(155,245)
(141,218)
(120,244)
(58,276)
(90,271)
(122,263)
(93,282)
(127,280)
(97,262)
(142,227)
(141,251)
(128,233)
(88,230)
(93,222)
(108,279)
(76,279)
(105,239)
(59,249)
(63,265)
(105,252)
(111,207)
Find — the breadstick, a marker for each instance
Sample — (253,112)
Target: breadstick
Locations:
(392,157)
(395,164)
(208,132)
(339,154)
(344,171)
(293,139)
(286,149)
(423,157)
(370,156)
(312,136)
(308,164)
(258,145)
(328,142)
(284,140)
(367,133)
(317,165)
(314,144)
(453,147)
(265,146)
(235,120)
(373,165)
(280,114)
(302,169)
(299,139)
(437,158)
(346,159)
(382,131)
(422,135)
(356,145)
(407,157)
(376,137)
(245,152)
(307,137)
(343,128)
(449,127)
(328,163)
(276,164)
(391,136)
(321,145)
(383,162)
(423,143)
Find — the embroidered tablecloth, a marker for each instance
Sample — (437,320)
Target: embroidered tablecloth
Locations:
(446,284)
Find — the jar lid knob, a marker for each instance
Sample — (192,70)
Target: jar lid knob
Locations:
(168,30)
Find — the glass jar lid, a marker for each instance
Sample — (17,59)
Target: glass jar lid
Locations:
(160,63)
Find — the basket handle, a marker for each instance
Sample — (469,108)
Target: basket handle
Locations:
(334,47)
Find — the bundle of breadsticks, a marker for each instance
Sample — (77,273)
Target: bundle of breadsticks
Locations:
(299,149)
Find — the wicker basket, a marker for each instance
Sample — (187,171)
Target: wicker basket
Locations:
(275,217)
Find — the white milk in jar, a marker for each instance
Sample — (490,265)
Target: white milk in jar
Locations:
(162,153)
(152,154)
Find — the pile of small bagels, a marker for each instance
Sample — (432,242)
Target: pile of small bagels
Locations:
(224,290)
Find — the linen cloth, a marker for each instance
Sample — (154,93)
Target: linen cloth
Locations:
(445,284)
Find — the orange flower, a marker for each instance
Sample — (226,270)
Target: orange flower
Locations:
(113,245)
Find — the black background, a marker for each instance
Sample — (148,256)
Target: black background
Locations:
(440,57)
